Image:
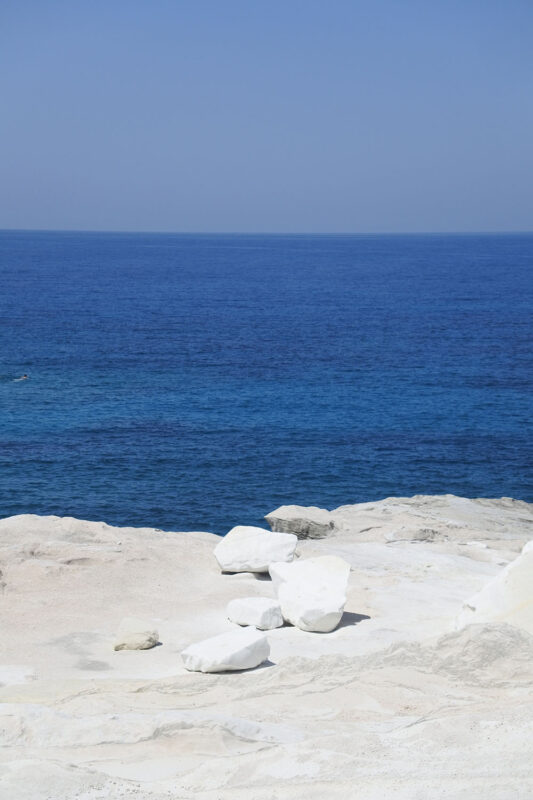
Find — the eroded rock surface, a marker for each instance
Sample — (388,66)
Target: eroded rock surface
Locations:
(442,518)
(393,703)
(307,522)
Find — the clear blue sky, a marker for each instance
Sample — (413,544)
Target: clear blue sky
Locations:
(267,115)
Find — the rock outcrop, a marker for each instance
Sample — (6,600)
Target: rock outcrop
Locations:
(307,522)
(423,518)
(394,703)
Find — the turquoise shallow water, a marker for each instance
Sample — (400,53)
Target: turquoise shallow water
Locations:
(197,382)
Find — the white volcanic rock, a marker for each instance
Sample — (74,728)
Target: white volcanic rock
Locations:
(136,634)
(336,715)
(422,518)
(307,522)
(244,648)
(249,549)
(506,598)
(261,612)
(321,572)
(312,592)
(280,572)
(316,611)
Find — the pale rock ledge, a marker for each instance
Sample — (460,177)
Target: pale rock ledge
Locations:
(308,522)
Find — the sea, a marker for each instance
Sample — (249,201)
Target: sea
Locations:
(197,382)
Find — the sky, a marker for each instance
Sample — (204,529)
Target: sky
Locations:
(338,116)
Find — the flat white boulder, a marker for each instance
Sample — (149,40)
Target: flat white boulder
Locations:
(261,612)
(306,522)
(136,634)
(312,593)
(244,648)
(506,598)
(249,549)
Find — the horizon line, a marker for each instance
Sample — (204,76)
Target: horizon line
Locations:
(268,233)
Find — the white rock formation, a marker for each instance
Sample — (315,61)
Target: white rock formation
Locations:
(244,648)
(444,518)
(392,705)
(136,634)
(249,549)
(312,592)
(261,612)
(506,598)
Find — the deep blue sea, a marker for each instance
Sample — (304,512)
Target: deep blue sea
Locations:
(197,382)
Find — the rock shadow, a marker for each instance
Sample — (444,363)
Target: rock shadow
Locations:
(349,618)
(265,665)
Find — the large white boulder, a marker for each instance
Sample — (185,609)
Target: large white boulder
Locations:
(506,598)
(280,572)
(312,593)
(244,648)
(261,612)
(249,549)
(136,634)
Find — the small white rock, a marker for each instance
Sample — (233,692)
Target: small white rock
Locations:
(244,648)
(316,611)
(249,549)
(261,612)
(312,592)
(136,634)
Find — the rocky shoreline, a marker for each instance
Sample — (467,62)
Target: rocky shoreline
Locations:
(422,688)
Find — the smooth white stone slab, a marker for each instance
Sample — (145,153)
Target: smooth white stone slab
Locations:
(244,648)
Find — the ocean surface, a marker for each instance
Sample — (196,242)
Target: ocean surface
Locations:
(192,382)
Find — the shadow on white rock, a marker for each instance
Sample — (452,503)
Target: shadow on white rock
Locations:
(244,648)
(249,549)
